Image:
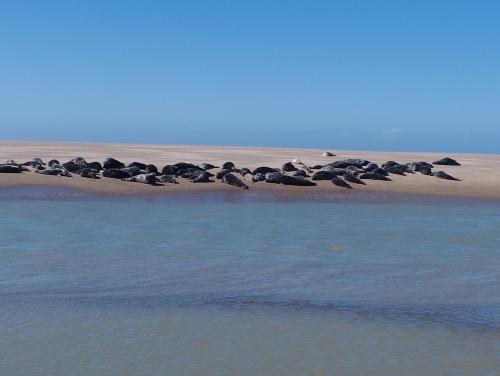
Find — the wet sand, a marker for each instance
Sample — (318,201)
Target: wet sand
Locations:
(479,174)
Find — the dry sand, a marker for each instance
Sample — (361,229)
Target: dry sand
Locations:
(480,174)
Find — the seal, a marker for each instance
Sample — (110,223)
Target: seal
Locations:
(10,168)
(134,170)
(258,177)
(301,173)
(444,175)
(143,178)
(288,167)
(87,172)
(169,170)
(228,166)
(323,175)
(151,169)
(351,178)
(201,177)
(207,166)
(296,180)
(274,177)
(374,176)
(233,180)
(245,171)
(54,172)
(111,163)
(116,173)
(264,170)
(53,162)
(328,154)
(221,174)
(168,179)
(446,162)
(338,181)
(141,165)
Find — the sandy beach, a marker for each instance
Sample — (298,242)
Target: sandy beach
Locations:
(478,173)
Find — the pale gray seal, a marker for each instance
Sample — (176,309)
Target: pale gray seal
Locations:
(143,178)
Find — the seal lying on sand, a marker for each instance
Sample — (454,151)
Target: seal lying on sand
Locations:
(111,163)
(115,173)
(168,179)
(143,178)
(87,173)
(338,181)
(446,162)
(351,178)
(444,175)
(54,171)
(10,168)
(296,180)
(233,180)
(374,176)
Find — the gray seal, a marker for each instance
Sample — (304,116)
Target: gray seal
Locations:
(351,178)
(338,181)
(143,178)
(444,175)
(233,180)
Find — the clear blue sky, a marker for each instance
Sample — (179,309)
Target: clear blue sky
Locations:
(379,75)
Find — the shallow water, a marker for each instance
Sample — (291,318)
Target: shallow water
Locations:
(214,286)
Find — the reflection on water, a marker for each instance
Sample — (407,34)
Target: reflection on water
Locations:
(182,286)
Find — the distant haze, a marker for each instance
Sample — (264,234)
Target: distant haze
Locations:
(375,75)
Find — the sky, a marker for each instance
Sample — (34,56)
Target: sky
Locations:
(365,75)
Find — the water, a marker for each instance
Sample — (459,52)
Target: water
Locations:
(215,286)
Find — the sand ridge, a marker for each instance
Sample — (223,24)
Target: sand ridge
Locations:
(479,174)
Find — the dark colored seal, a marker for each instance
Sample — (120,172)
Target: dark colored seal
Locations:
(264,170)
(244,171)
(323,175)
(10,168)
(87,172)
(446,162)
(351,178)
(207,166)
(141,165)
(288,167)
(296,180)
(374,176)
(116,173)
(338,181)
(221,174)
(111,163)
(233,180)
(444,175)
(274,177)
(169,170)
(228,166)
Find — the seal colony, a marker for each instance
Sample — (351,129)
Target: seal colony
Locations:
(344,173)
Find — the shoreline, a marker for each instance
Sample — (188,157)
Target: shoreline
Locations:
(479,174)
